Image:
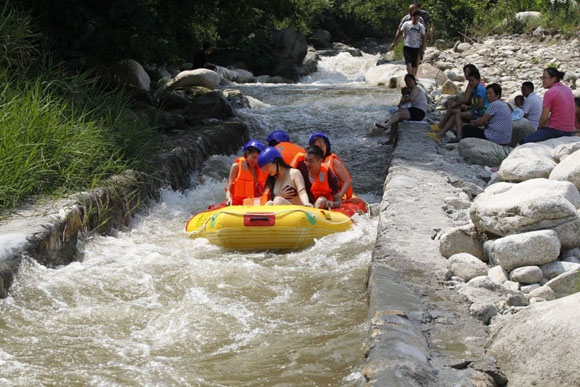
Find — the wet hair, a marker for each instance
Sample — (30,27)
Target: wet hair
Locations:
(577,101)
(316,151)
(496,89)
(554,73)
(474,74)
(417,13)
(411,77)
(529,85)
(470,67)
(251,150)
(325,140)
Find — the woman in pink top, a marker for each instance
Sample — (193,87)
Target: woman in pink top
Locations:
(558,111)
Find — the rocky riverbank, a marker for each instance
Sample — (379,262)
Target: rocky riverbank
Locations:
(512,238)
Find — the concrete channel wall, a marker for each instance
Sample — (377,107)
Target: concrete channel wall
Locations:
(421,333)
(50,231)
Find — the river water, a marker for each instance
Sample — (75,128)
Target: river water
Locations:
(149,306)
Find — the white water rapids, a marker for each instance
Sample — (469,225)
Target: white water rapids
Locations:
(149,306)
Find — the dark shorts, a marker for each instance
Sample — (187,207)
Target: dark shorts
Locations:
(416,114)
(411,55)
(473,131)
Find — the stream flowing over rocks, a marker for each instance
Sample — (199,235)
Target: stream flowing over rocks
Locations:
(474,277)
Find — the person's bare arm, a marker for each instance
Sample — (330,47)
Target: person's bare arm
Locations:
(229,182)
(397,36)
(544,117)
(482,121)
(298,181)
(342,175)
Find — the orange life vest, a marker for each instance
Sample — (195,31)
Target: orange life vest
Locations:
(320,186)
(289,151)
(329,162)
(244,185)
(298,157)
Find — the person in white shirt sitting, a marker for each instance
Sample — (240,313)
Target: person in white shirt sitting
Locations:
(532,104)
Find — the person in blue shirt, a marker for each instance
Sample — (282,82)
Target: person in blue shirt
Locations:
(477,110)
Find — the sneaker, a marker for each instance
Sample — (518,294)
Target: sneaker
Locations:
(433,136)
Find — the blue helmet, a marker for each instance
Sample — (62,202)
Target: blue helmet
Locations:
(321,135)
(259,145)
(277,137)
(268,155)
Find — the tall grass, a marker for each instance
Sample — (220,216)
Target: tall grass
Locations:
(60,132)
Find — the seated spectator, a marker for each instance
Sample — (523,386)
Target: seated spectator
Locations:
(496,123)
(557,119)
(519,101)
(532,104)
(477,110)
(460,106)
(416,112)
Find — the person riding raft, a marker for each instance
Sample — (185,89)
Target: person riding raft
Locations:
(246,180)
(284,185)
(334,163)
(280,140)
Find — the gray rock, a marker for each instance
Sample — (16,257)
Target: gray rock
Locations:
(526,274)
(537,346)
(554,269)
(464,239)
(520,129)
(482,152)
(198,77)
(511,285)
(563,150)
(467,266)
(488,251)
(537,204)
(498,275)
(517,299)
(528,288)
(483,311)
(568,169)
(527,249)
(544,292)
(130,72)
(566,283)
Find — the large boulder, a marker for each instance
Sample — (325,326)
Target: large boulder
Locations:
(429,71)
(482,152)
(568,170)
(290,48)
(208,105)
(130,72)
(538,204)
(566,283)
(466,266)
(532,160)
(320,39)
(464,239)
(198,77)
(520,129)
(539,345)
(449,88)
(528,249)
(562,151)
(385,75)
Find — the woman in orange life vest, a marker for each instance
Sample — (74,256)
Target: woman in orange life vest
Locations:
(246,180)
(324,186)
(280,140)
(332,161)
(284,185)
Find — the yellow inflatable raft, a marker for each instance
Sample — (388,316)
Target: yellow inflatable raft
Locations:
(265,227)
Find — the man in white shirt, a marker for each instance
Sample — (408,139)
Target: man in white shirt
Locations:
(532,104)
(415,41)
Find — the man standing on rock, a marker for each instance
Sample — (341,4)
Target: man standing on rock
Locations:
(414,47)
(532,104)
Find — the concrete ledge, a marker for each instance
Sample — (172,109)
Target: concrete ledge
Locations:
(421,333)
(49,232)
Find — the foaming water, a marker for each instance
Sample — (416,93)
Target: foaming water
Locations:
(150,306)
